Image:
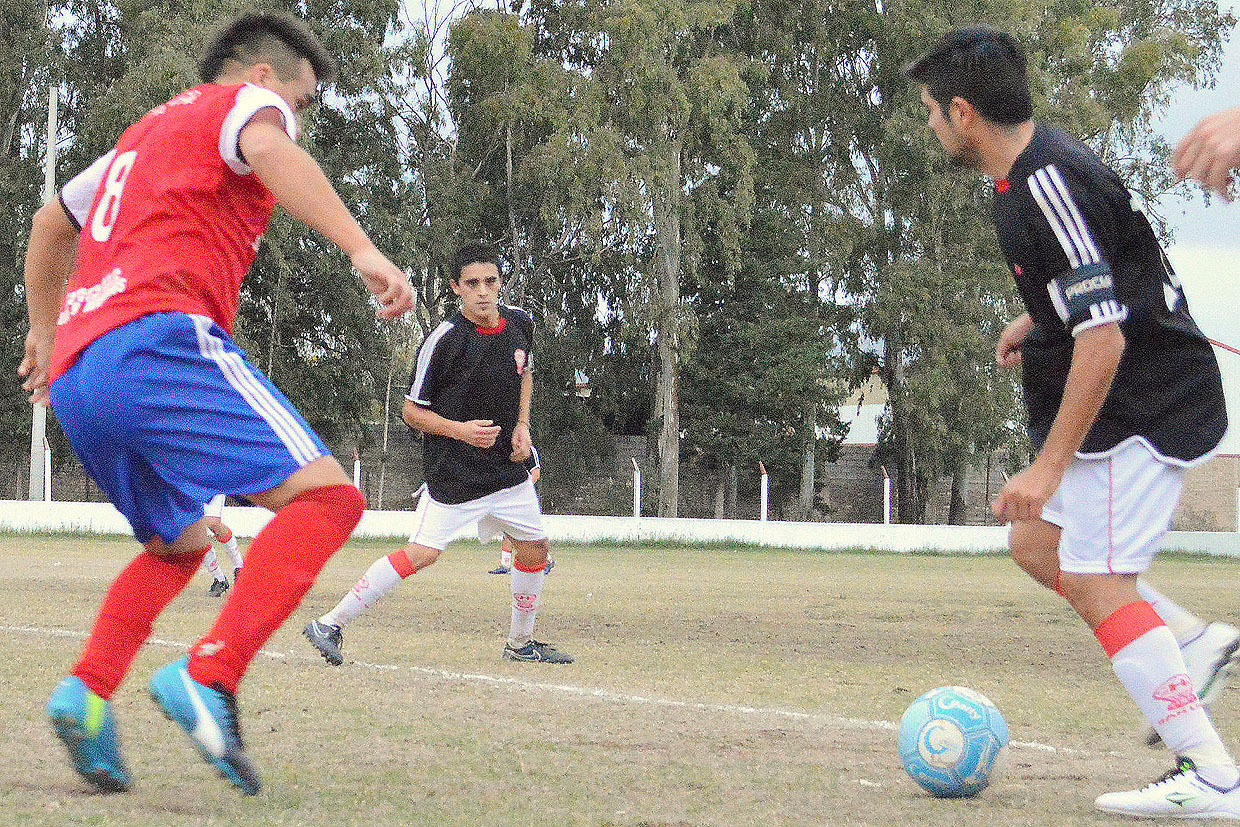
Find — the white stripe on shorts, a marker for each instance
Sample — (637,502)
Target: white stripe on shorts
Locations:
(299,443)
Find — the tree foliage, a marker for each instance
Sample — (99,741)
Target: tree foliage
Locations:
(724,214)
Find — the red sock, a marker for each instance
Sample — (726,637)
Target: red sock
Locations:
(281,566)
(137,596)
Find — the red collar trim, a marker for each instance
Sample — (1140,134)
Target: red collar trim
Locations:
(1002,186)
(491,331)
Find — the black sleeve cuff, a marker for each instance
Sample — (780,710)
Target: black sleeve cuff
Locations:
(68,212)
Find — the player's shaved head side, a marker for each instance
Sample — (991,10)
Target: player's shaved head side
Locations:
(278,38)
(473,252)
(983,65)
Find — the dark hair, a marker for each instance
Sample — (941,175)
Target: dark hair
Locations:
(277,38)
(473,252)
(984,66)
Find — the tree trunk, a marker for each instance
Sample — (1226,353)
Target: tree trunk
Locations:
(956,508)
(721,493)
(806,501)
(910,490)
(516,278)
(281,267)
(667,257)
(732,492)
(387,421)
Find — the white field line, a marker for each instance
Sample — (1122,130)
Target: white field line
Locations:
(605,695)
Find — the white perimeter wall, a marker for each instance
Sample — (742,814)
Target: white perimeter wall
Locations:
(102,518)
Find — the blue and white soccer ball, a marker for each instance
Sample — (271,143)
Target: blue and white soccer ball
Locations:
(952,741)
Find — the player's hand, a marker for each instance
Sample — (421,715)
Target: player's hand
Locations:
(1007,352)
(385,280)
(480,433)
(521,443)
(34,365)
(1024,495)
(1211,151)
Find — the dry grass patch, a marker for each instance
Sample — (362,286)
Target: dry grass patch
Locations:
(713,687)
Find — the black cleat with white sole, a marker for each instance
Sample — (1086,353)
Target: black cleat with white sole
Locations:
(327,639)
(536,652)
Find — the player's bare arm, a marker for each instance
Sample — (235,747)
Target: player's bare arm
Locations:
(1007,351)
(301,188)
(1210,151)
(480,433)
(49,261)
(1095,359)
(521,442)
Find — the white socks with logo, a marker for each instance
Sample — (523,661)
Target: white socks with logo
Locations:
(1152,670)
(526,588)
(378,580)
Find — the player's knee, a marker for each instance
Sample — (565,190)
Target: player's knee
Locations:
(1076,588)
(185,561)
(354,502)
(342,504)
(413,558)
(532,553)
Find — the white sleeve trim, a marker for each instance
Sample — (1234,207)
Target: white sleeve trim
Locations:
(1057,299)
(250,99)
(79,193)
(1053,196)
(1100,314)
(416,394)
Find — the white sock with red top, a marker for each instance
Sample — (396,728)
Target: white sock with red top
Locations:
(213,565)
(230,544)
(1147,661)
(526,587)
(383,575)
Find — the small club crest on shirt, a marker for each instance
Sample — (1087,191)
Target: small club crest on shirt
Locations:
(518,356)
(1017,270)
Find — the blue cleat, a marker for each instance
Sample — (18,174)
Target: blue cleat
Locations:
(84,723)
(209,715)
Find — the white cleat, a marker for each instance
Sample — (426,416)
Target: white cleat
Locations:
(1210,660)
(1181,793)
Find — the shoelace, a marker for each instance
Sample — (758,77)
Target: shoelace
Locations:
(1184,765)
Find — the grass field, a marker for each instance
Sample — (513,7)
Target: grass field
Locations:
(713,687)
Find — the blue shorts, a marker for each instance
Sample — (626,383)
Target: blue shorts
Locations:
(165,412)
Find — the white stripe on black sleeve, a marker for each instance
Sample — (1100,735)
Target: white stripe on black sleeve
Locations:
(1057,299)
(1055,200)
(1078,221)
(417,390)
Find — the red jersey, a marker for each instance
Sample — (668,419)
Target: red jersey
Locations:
(170,219)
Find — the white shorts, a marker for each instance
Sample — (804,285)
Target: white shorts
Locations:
(215,508)
(513,511)
(1114,511)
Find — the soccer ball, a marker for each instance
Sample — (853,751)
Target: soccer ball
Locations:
(952,741)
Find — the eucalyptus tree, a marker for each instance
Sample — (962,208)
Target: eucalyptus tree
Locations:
(922,263)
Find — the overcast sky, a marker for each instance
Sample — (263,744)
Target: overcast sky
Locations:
(1206,254)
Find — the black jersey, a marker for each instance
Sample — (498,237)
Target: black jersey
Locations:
(1084,255)
(464,372)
